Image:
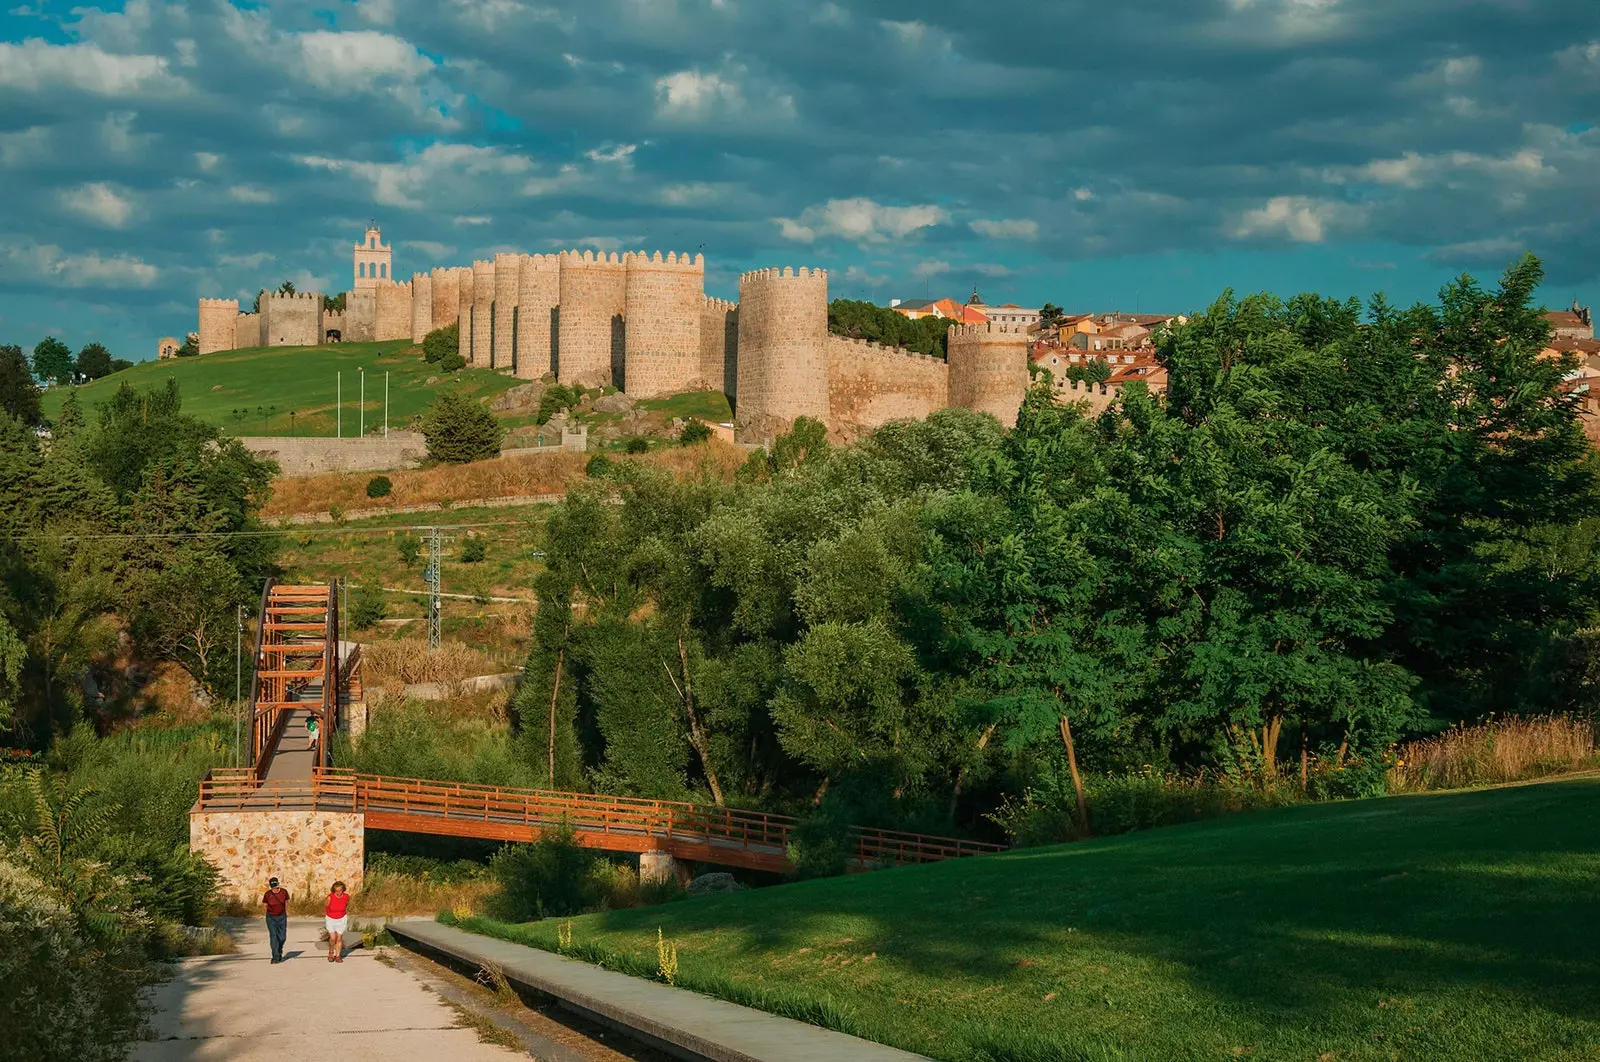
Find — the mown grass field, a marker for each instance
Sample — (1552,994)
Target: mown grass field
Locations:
(1451,926)
(252,391)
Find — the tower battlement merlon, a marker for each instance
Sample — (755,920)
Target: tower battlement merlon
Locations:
(672,260)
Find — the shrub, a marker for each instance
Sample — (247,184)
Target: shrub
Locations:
(551,876)
(452,363)
(459,429)
(409,549)
(473,550)
(441,343)
(367,606)
(556,398)
(379,487)
(694,432)
(637,445)
(597,467)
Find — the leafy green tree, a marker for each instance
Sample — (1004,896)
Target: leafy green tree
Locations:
(191,342)
(368,607)
(118,364)
(379,487)
(1089,370)
(52,360)
(694,432)
(13,651)
(441,343)
(1049,315)
(880,324)
(94,361)
(70,420)
(556,398)
(473,550)
(334,303)
(459,429)
(19,393)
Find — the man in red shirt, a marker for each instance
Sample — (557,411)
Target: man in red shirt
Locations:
(276,901)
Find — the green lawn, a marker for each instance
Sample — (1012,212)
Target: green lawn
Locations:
(709,406)
(251,392)
(1456,926)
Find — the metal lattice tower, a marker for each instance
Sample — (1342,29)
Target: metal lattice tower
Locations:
(430,575)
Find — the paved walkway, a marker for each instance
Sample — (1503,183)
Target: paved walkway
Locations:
(709,1028)
(241,1008)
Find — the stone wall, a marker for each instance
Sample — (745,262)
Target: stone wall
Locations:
(291,320)
(446,297)
(988,369)
(421,307)
(719,347)
(483,292)
(538,293)
(464,295)
(507,280)
(361,315)
(593,299)
(310,456)
(783,360)
(870,385)
(307,851)
(333,321)
(662,307)
(217,317)
(393,317)
(247,331)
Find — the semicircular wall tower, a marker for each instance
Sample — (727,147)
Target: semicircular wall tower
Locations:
(783,355)
(988,369)
(662,310)
(594,294)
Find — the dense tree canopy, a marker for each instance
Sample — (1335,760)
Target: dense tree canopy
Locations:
(94,362)
(19,393)
(865,320)
(52,361)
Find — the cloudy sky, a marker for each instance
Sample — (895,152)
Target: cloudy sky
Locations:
(1135,155)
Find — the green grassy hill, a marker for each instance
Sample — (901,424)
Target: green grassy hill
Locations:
(252,391)
(1454,926)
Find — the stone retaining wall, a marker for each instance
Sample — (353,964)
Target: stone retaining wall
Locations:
(307,851)
(301,456)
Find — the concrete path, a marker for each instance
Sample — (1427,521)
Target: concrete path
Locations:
(698,1025)
(292,762)
(241,1008)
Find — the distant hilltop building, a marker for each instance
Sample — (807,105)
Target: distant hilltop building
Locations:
(643,323)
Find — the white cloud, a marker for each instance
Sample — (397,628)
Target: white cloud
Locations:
(100,203)
(860,220)
(245,193)
(245,261)
(694,96)
(478,219)
(1082,194)
(206,160)
(990,269)
(441,169)
(1460,70)
(35,65)
(49,264)
(931,267)
(1007,229)
(430,248)
(376,12)
(1412,170)
(188,52)
(619,153)
(1300,218)
(352,60)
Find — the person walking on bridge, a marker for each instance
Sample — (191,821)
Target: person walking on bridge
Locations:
(336,919)
(276,901)
(311,735)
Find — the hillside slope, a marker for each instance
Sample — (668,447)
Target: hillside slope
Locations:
(252,391)
(1448,926)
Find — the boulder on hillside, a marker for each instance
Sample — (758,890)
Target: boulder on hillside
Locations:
(617,403)
(707,884)
(523,398)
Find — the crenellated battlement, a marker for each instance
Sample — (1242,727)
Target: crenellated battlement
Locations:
(640,260)
(873,347)
(587,259)
(720,305)
(1011,332)
(217,304)
(298,296)
(757,276)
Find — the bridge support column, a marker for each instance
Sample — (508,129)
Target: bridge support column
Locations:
(306,850)
(659,866)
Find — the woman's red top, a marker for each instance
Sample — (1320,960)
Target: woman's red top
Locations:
(337,903)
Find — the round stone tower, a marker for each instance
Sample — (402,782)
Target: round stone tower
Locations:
(464,295)
(662,310)
(783,360)
(421,306)
(216,327)
(483,291)
(988,369)
(446,296)
(594,295)
(507,269)
(538,294)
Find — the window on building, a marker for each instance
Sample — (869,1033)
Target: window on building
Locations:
(383,270)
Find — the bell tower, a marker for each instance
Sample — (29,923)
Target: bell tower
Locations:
(374,263)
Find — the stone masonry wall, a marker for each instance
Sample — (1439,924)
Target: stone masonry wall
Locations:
(662,309)
(291,320)
(988,369)
(719,347)
(332,321)
(870,385)
(465,280)
(783,358)
(216,326)
(483,290)
(593,300)
(393,318)
(246,331)
(314,455)
(360,315)
(446,297)
(421,306)
(507,277)
(538,293)
(307,851)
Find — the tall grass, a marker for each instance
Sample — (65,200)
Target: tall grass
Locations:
(392,665)
(1499,750)
(501,477)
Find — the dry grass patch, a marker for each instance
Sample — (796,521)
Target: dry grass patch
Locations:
(393,665)
(523,476)
(1500,750)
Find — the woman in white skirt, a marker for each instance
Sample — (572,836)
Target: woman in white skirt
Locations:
(337,919)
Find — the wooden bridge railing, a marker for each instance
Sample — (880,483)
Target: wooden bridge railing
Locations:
(627,824)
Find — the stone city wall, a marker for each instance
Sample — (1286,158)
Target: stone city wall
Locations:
(307,851)
(593,300)
(393,315)
(507,281)
(869,385)
(988,369)
(421,306)
(465,280)
(291,320)
(310,456)
(783,360)
(446,297)
(247,331)
(538,293)
(216,330)
(661,308)
(361,315)
(483,292)
(719,347)
(333,321)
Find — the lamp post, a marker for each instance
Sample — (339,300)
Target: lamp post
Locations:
(362,433)
(338,405)
(386,403)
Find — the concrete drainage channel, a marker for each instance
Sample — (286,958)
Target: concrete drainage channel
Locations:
(677,1023)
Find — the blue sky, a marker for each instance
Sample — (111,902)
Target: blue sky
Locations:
(1141,155)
